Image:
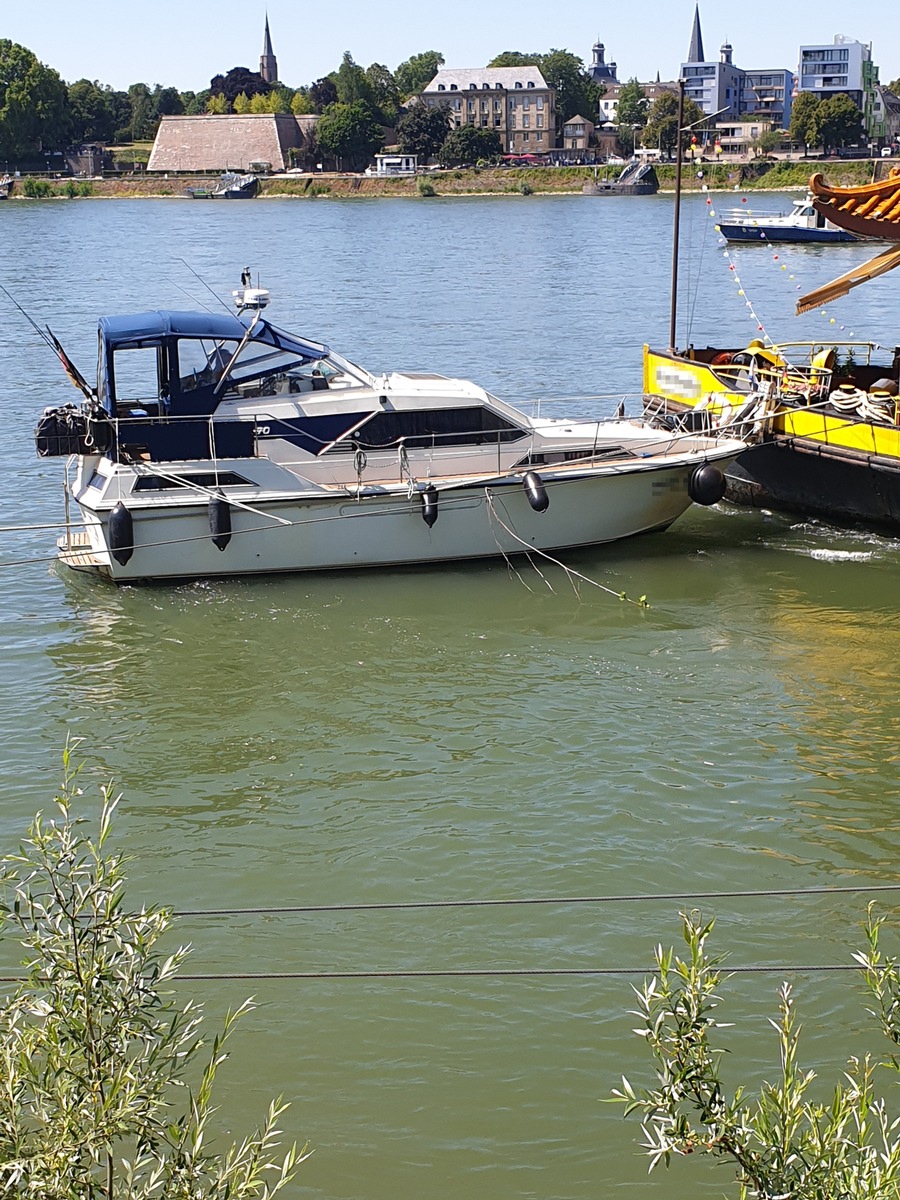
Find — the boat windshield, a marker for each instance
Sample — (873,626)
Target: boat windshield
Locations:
(258,369)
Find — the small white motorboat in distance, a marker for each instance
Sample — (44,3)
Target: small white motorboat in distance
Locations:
(801,224)
(220,445)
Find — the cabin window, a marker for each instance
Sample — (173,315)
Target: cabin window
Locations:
(441,87)
(433,428)
(136,376)
(207,479)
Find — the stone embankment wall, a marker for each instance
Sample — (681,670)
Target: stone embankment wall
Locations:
(486,181)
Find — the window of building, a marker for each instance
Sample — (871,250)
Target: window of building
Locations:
(538,137)
(540,121)
(453,87)
(525,136)
(539,101)
(473,87)
(441,88)
(530,84)
(526,121)
(518,85)
(485,86)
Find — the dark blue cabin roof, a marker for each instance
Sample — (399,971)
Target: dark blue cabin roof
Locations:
(130,330)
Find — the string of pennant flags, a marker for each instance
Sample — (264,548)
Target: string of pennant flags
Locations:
(776,260)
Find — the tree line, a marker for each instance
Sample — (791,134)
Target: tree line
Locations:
(40,112)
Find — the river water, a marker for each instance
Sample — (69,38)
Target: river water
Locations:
(469,732)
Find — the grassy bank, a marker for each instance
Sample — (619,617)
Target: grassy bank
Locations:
(474,182)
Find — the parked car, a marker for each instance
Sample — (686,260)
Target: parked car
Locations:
(886,151)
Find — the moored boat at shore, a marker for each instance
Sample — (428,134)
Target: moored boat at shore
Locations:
(218,445)
(232,186)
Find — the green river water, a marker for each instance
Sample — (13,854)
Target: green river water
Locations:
(469,733)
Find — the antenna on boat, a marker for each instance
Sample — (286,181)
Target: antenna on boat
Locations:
(212,291)
(248,298)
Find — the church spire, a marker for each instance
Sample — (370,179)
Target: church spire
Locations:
(268,64)
(695,53)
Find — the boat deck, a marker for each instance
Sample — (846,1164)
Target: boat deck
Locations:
(75,551)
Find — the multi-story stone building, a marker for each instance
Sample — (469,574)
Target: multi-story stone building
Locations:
(516,103)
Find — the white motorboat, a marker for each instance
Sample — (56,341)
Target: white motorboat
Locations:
(220,445)
(801,224)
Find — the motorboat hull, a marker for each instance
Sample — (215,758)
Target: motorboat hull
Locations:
(476,519)
(768,233)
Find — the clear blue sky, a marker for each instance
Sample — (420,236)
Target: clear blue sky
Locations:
(184,42)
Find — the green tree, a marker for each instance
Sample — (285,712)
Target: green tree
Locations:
(141,124)
(894,87)
(469,144)
(781,1142)
(839,121)
(632,105)
(216,104)
(92,111)
(631,114)
(576,93)
(195,102)
(804,128)
(514,58)
(353,87)
(423,130)
(107,1079)
(277,101)
(385,92)
(33,104)
(349,133)
(237,80)
(241,104)
(167,102)
(662,123)
(417,71)
(323,93)
(302,102)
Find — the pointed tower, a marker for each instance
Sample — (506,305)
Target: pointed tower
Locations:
(268,64)
(695,52)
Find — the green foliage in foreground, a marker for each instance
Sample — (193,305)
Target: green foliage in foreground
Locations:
(107,1080)
(782,1143)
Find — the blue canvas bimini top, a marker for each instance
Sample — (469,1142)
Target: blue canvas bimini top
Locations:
(137,328)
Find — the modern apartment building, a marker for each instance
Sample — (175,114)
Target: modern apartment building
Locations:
(515,102)
(845,65)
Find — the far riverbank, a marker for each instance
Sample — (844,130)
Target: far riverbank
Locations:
(478,181)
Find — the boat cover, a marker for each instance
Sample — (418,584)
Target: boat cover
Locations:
(137,329)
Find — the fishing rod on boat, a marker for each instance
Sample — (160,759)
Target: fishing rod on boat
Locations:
(49,337)
(200,279)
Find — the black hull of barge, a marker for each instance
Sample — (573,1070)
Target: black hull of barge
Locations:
(799,476)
